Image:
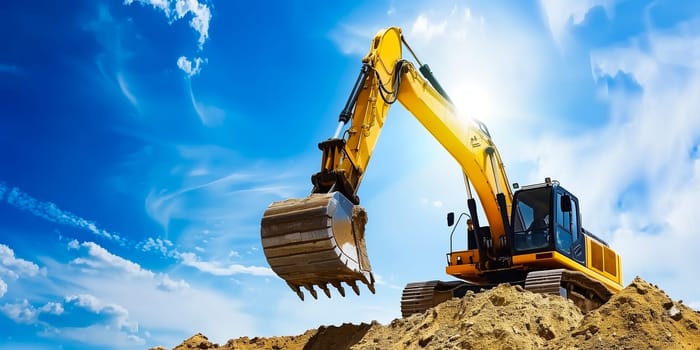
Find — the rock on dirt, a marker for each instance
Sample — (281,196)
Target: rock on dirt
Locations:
(641,316)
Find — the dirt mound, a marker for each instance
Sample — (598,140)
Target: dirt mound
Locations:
(641,316)
(317,339)
(502,318)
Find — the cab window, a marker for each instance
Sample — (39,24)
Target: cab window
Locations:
(531,220)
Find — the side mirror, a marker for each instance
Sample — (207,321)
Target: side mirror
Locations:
(450,219)
(565,203)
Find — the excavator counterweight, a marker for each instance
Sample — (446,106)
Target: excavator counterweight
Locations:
(317,241)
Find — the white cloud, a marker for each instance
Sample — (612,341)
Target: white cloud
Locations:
(174,10)
(154,302)
(100,258)
(424,28)
(169,285)
(191,68)
(163,246)
(22,312)
(25,313)
(16,267)
(220,269)
(101,336)
(201,15)
(562,14)
(73,244)
(49,211)
(178,9)
(112,314)
(52,308)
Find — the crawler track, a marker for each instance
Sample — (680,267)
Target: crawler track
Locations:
(586,293)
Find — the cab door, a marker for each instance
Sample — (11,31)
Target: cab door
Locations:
(568,238)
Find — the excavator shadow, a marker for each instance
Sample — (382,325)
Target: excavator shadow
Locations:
(340,338)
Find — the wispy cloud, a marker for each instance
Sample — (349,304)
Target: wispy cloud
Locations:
(49,211)
(210,115)
(219,269)
(3,287)
(126,91)
(208,197)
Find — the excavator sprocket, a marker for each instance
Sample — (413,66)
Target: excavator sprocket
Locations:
(317,241)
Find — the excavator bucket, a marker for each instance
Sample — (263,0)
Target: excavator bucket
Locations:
(317,241)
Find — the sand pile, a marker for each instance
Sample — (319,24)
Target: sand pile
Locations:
(502,318)
(641,316)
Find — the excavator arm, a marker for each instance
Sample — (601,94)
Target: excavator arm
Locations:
(319,240)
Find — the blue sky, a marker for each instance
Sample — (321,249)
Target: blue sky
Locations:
(140,142)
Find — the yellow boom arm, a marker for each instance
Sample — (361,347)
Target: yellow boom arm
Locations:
(391,78)
(319,240)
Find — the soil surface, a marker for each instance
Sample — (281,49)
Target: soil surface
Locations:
(641,316)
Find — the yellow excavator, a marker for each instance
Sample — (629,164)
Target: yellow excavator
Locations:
(534,236)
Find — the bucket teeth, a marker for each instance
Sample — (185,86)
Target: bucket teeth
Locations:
(311,289)
(339,287)
(354,287)
(297,290)
(371,288)
(325,289)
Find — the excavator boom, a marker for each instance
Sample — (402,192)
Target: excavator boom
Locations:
(319,240)
(533,237)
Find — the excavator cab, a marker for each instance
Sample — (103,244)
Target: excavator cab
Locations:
(546,218)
